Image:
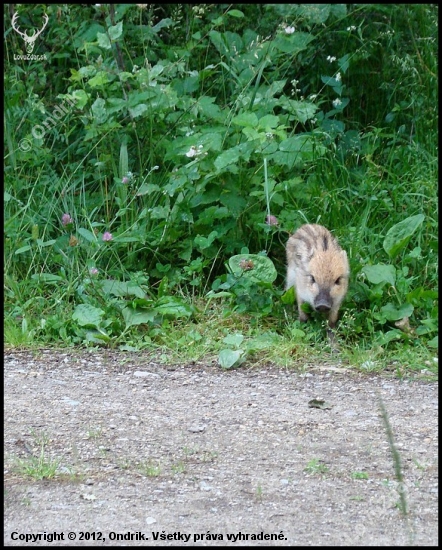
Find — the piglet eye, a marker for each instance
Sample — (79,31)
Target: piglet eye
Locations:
(312,279)
(338,281)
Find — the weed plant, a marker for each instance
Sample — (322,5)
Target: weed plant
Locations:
(150,147)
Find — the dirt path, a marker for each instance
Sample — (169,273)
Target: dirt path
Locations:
(152,451)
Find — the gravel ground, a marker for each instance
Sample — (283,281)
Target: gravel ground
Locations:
(191,455)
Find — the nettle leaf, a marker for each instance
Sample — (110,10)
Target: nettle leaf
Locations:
(229,358)
(259,269)
(294,43)
(399,235)
(99,111)
(268,121)
(103,40)
(303,110)
(99,79)
(164,23)
(116,31)
(159,212)
(81,98)
(138,110)
(87,315)
(226,158)
(246,119)
(380,273)
(296,144)
(218,41)
(314,13)
(231,156)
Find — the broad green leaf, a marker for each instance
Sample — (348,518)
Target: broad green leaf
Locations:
(43,244)
(86,234)
(331,81)
(434,342)
(294,43)
(380,273)
(338,10)
(316,14)
(268,121)
(173,307)
(164,23)
(103,40)
(99,110)
(204,242)
(296,144)
(227,158)
(80,97)
(218,41)
(234,340)
(259,269)
(229,358)
(122,289)
(246,119)
(303,110)
(235,13)
(398,236)
(97,337)
(99,79)
(134,317)
(159,212)
(393,313)
(138,110)
(288,298)
(147,188)
(87,315)
(47,278)
(116,31)
(22,249)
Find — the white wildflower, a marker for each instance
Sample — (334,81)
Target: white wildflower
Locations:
(194,151)
(336,102)
(331,58)
(289,30)
(352,28)
(312,97)
(338,77)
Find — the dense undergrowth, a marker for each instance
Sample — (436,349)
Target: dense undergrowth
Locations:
(147,146)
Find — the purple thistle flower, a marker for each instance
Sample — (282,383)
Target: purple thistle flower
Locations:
(107,236)
(93,271)
(125,180)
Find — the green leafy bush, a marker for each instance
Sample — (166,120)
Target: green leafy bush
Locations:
(155,142)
